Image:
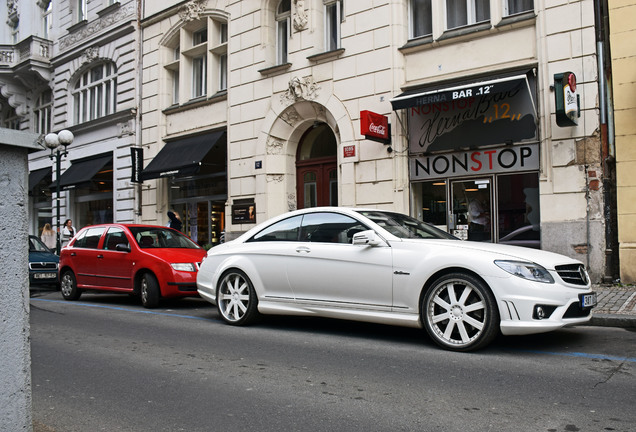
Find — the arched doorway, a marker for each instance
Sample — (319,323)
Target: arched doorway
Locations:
(316,168)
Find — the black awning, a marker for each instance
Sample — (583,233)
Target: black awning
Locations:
(83,171)
(182,157)
(428,95)
(36,177)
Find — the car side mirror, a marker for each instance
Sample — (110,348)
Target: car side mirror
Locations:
(122,247)
(368,238)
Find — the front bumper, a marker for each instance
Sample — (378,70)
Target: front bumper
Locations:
(527,307)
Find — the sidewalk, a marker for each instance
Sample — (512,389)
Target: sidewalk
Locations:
(616,306)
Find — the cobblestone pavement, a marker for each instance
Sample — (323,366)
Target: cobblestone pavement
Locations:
(616,306)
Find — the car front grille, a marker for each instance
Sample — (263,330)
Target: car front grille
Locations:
(573,274)
(43,266)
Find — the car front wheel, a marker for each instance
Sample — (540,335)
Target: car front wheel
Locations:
(460,313)
(149,291)
(68,286)
(236,299)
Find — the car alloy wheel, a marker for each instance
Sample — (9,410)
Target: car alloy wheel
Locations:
(68,286)
(149,291)
(459,312)
(236,299)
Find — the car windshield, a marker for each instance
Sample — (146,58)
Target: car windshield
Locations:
(36,245)
(157,237)
(405,227)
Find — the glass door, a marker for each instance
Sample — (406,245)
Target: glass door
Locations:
(471,207)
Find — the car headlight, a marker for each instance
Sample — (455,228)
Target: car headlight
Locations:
(183,267)
(526,270)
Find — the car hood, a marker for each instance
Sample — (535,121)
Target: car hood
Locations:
(43,257)
(176,255)
(500,251)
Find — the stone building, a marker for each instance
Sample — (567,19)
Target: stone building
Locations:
(469,90)
(72,65)
(237,111)
(622,15)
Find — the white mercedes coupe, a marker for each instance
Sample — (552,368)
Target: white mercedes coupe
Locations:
(384,267)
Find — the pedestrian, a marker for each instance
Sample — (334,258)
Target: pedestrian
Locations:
(175,221)
(68,231)
(48,237)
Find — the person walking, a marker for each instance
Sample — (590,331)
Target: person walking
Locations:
(68,231)
(175,221)
(48,237)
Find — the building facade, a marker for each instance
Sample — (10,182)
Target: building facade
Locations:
(72,65)
(623,55)
(469,89)
(479,116)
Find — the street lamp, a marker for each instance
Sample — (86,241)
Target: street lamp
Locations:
(53,141)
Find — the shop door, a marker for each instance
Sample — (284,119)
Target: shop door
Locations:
(317,184)
(471,207)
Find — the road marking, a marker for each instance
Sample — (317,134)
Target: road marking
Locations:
(122,309)
(580,354)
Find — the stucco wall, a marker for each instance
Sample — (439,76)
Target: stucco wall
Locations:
(623,31)
(15,354)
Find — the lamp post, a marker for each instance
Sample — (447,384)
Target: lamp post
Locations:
(53,141)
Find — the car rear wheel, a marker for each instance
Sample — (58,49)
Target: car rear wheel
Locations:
(149,291)
(68,286)
(235,298)
(460,313)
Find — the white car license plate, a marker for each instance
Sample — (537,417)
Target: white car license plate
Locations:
(588,300)
(45,275)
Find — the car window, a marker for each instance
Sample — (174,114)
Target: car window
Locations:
(115,236)
(285,230)
(36,245)
(89,239)
(405,226)
(157,237)
(329,228)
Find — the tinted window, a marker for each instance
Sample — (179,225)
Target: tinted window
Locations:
(285,230)
(89,238)
(329,228)
(115,236)
(157,237)
(405,226)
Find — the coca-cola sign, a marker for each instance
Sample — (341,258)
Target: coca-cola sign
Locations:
(374,125)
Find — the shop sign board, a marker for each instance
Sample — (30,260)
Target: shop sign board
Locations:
(137,160)
(487,113)
(566,99)
(243,212)
(374,126)
(475,162)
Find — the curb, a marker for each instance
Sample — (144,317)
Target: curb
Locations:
(612,320)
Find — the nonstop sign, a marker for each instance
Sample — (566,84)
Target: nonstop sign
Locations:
(476,162)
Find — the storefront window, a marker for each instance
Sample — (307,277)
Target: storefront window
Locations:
(94,200)
(518,210)
(430,202)
(501,208)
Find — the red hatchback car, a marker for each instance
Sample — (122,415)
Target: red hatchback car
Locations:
(150,261)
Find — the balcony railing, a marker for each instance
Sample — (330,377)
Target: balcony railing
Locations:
(32,48)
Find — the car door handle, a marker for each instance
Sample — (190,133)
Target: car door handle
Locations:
(301,249)
(73,254)
(100,256)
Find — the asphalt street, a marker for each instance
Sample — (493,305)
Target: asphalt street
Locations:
(105,363)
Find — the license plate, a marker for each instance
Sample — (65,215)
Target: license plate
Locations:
(588,300)
(45,275)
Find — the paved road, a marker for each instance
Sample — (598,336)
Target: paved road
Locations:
(105,363)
